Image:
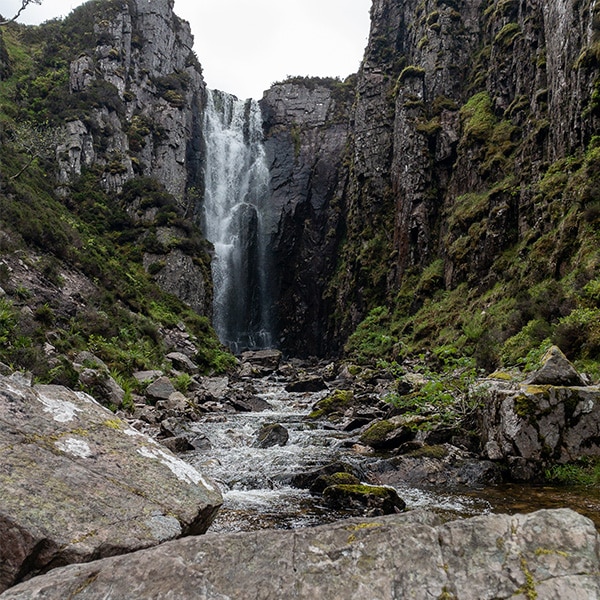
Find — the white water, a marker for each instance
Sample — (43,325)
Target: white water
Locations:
(236,221)
(256,482)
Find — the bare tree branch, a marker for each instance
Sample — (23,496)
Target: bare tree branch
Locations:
(24,5)
(36,141)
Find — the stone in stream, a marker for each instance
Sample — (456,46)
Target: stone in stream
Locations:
(373,500)
(309,383)
(260,363)
(271,435)
(549,555)
(77,483)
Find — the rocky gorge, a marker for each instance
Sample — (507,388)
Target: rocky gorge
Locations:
(430,234)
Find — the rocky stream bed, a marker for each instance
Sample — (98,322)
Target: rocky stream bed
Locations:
(312,451)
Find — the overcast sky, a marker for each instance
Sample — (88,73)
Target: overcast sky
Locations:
(246,45)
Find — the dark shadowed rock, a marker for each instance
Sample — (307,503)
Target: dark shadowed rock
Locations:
(371,499)
(440,467)
(270,435)
(311,383)
(309,479)
(78,483)
(390,433)
(550,555)
(324,481)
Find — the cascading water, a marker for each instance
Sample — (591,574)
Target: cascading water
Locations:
(237,221)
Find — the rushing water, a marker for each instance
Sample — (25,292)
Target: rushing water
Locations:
(256,482)
(237,220)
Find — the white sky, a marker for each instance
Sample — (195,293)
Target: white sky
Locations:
(246,45)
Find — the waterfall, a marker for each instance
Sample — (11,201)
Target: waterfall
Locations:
(237,220)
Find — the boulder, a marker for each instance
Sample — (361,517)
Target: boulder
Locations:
(309,479)
(161,389)
(102,386)
(271,435)
(78,483)
(547,554)
(147,376)
(324,481)
(370,499)
(391,433)
(556,369)
(310,383)
(262,362)
(539,425)
(443,466)
(181,362)
(333,407)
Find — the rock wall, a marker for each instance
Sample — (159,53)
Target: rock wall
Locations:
(143,56)
(143,92)
(460,109)
(307,127)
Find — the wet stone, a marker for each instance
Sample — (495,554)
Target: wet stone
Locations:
(272,435)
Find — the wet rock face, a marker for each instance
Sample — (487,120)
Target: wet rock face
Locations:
(306,127)
(547,554)
(78,483)
(412,158)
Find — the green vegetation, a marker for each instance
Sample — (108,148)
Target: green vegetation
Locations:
(584,472)
(84,234)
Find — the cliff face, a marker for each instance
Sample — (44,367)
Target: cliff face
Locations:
(462,143)
(307,128)
(147,124)
(143,58)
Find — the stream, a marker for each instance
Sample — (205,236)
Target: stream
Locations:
(257,482)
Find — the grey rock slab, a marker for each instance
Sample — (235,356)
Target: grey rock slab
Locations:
(556,370)
(77,483)
(547,554)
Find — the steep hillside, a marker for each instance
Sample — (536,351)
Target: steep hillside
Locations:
(99,166)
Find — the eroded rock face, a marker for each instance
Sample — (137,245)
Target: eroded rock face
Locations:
(547,554)
(78,483)
(307,127)
(541,421)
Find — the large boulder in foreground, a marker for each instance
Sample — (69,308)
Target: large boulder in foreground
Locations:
(77,483)
(542,421)
(549,554)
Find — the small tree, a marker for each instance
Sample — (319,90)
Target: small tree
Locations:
(24,5)
(36,141)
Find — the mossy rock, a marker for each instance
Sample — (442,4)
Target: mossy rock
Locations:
(325,481)
(332,406)
(389,433)
(438,451)
(376,500)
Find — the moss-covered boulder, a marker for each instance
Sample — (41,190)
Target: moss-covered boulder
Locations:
(388,434)
(333,406)
(373,499)
(532,425)
(324,481)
